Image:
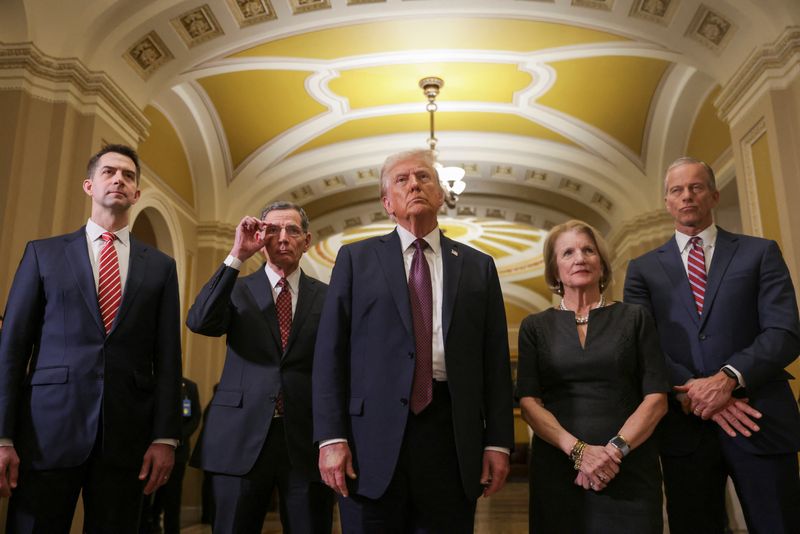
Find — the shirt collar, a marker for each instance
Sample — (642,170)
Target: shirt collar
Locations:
(274,278)
(709,237)
(434,239)
(94,231)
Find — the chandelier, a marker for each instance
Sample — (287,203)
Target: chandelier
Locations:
(452,178)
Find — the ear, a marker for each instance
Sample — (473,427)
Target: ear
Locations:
(136,196)
(87,186)
(387,206)
(307,242)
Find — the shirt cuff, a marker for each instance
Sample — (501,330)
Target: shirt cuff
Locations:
(233,262)
(6,442)
(739,377)
(498,449)
(326,442)
(167,441)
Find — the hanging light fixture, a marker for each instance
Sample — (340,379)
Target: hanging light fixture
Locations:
(452,178)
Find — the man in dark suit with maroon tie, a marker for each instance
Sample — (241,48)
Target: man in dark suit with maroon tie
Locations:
(257,433)
(90,367)
(412,385)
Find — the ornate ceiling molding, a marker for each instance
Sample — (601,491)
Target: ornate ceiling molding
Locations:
(24,67)
(767,67)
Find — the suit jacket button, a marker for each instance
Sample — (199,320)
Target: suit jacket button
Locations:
(404,401)
(702,337)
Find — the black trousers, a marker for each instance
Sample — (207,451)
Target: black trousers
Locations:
(241,501)
(426,494)
(768,487)
(44,501)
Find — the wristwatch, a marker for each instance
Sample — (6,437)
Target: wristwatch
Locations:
(619,442)
(730,374)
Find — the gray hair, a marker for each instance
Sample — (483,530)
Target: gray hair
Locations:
(711,180)
(286,205)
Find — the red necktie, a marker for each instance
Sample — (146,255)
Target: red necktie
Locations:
(419,285)
(109,289)
(697,272)
(283,305)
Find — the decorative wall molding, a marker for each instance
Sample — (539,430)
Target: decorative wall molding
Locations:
(750,179)
(24,67)
(638,235)
(768,66)
(215,235)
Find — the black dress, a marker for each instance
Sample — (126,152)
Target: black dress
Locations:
(591,391)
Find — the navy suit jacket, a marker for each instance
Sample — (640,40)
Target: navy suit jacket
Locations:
(749,321)
(255,370)
(61,377)
(364,359)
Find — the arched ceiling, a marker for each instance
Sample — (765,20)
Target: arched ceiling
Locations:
(556,109)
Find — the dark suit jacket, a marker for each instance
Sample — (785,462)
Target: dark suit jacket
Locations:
(255,369)
(749,321)
(58,368)
(190,421)
(364,360)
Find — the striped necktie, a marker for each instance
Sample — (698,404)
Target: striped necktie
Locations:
(109,288)
(697,272)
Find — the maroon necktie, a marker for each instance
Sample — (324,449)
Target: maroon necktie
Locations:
(419,286)
(109,288)
(697,272)
(283,304)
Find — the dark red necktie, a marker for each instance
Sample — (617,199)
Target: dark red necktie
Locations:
(697,272)
(419,286)
(283,305)
(109,287)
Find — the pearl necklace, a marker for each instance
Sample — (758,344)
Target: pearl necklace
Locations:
(583,319)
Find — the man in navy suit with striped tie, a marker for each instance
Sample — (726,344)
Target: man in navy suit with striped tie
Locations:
(727,316)
(90,367)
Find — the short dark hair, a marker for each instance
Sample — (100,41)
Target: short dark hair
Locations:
(711,180)
(286,205)
(125,150)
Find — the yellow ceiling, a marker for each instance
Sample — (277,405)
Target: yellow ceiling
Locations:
(163,152)
(429,33)
(378,86)
(256,106)
(710,136)
(610,93)
(418,122)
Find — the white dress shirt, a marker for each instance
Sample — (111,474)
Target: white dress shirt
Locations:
(709,238)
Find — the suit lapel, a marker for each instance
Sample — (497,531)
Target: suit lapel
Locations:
(670,258)
(724,250)
(306,294)
(390,257)
(451,272)
(137,267)
(259,287)
(77,254)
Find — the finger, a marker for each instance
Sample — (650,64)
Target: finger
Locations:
(146,466)
(736,424)
(724,425)
(742,418)
(742,405)
(682,389)
(339,483)
(13,474)
(494,486)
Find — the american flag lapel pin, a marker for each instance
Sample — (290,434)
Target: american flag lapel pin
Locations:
(454,251)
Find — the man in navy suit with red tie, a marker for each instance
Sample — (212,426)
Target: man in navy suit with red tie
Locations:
(412,385)
(257,432)
(90,367)
(727,316)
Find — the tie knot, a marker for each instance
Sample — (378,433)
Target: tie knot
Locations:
(696,242)
(421,244)
(283,283)
(108,237)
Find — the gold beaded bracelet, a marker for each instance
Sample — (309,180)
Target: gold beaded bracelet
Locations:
(576,454)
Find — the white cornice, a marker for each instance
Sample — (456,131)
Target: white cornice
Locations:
(772,66)
(24,67)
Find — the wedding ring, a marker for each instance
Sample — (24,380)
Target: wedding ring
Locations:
(602,478)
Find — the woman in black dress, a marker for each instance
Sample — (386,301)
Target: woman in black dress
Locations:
(593,396)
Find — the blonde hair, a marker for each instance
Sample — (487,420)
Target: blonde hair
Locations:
(551,263)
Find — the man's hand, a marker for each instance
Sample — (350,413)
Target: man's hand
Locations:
(157,466)
(495,470)
(709,395)
(335,461)
(9,470)
(737,416)
(249,238)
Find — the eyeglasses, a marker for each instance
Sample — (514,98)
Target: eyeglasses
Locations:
(292,230)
